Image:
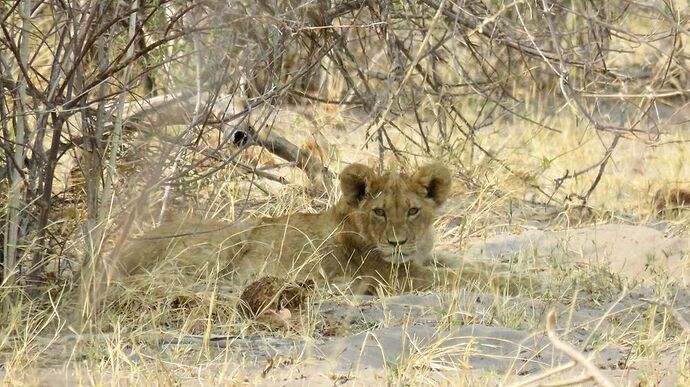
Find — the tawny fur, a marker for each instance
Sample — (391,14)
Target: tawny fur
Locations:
(379,233)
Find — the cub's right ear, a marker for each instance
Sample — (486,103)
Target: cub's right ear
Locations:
(435,180)
(354,181)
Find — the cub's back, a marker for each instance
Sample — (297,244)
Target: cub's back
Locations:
(290,245)
(186,243)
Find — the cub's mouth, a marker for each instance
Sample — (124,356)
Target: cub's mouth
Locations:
(397,255)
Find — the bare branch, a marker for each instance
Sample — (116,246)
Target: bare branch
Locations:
(592,371)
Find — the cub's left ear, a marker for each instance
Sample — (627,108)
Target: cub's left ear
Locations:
(355,181)
(435,180)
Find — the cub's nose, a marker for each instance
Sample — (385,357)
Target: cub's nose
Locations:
(397,243)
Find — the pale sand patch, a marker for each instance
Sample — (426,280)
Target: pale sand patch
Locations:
(420,336)
(634,252)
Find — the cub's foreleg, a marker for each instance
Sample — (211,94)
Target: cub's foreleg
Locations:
(480,273)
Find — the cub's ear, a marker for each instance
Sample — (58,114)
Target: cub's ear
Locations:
(435,180)
(354,180)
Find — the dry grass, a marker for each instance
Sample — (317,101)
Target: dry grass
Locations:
(168,327)
(172,325)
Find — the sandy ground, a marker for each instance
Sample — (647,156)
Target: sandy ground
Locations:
(634,252)
(463,337)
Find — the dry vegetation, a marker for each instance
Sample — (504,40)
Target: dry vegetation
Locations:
(554,117)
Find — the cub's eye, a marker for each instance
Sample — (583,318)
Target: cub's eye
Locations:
(379,212)
(412,211)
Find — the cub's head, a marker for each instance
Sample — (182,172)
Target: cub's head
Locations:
(394,213)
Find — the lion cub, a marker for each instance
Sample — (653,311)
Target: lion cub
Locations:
(379,233)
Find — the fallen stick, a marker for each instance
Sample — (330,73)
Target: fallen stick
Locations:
(573,353)
(281,147)
(151,114)
(165,110)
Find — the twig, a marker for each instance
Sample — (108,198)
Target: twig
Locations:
(284,149)
(14,199)
(575,354)
(601,164)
